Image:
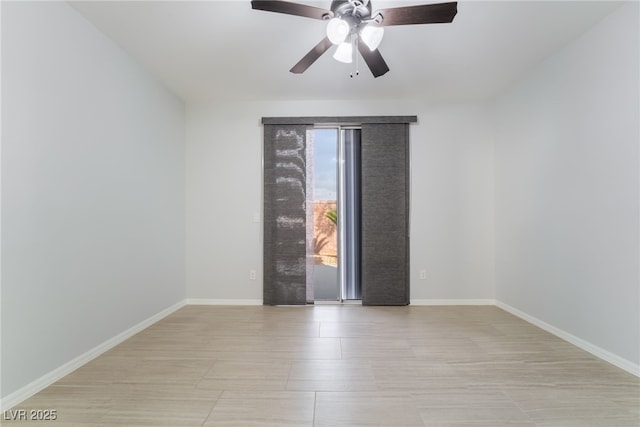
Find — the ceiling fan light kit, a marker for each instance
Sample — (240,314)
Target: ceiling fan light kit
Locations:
(352,21)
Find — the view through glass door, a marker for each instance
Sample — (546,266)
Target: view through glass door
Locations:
(334,211)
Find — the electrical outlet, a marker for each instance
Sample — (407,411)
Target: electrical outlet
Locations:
(423,274)
(252,275)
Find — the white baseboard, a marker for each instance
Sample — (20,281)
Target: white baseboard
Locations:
(599,352)
(453,302)
(46,380)
(204,301)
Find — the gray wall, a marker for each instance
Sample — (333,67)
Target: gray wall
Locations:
(92,191)
(567,193)
(451,195)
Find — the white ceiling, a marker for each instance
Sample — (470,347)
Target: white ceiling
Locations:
(207,50)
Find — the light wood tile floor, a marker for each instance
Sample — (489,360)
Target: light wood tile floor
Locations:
(343,366)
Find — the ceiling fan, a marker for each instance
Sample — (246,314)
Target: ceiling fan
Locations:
(351,22)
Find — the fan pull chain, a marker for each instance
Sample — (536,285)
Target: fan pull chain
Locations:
(357,72)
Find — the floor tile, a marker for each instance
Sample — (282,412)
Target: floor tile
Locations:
(366,409)
(331,375)
(263,409)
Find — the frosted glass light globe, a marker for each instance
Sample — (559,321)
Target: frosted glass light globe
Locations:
(344,53)
(337,30)
(372,36)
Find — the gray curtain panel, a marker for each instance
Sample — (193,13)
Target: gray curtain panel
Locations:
(385,213)
(284,214)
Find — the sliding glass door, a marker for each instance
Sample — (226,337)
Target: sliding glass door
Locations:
(365,214)
(333,199)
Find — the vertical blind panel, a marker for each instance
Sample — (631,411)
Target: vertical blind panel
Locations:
(385,214)
(284,214)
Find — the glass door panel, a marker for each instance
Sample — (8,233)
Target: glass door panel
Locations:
(349,212)
(333,215)
(323,206)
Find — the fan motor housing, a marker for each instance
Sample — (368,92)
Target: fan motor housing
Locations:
(357,8)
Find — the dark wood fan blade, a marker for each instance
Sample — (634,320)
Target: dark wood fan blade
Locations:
(374,60)
(440,13)
(290,8)
(312,56)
